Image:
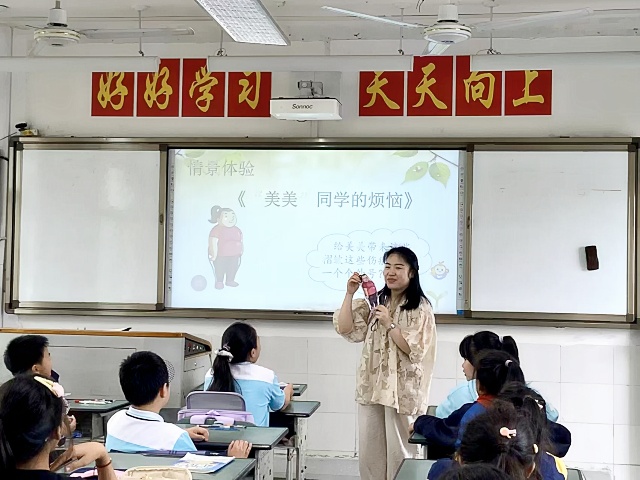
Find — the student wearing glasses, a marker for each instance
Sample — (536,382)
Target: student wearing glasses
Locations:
(397,361)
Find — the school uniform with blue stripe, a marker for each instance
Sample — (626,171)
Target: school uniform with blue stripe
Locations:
(134,430)
(258,386)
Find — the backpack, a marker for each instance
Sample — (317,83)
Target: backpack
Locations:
(199,416)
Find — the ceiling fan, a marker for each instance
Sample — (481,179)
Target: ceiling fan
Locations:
(56,33)
(448,29)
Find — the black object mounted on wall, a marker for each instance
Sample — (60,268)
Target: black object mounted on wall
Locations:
(592,257)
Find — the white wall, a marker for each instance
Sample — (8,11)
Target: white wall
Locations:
(591,376)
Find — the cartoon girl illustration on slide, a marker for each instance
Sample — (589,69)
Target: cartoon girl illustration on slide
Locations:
(225,246)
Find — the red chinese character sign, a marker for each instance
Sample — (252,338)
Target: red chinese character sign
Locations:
(478,94)
(112,94)
(528,92)
(381,94)
(249,94)
(430,87)
(202,91)
(159,93)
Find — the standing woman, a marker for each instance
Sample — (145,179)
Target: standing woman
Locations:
(396,365)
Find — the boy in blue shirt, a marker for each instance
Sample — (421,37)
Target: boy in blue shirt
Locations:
(145,379)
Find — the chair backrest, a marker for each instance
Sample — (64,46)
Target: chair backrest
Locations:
(574,474)
(216,401)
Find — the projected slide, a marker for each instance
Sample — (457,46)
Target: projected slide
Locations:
(284,229)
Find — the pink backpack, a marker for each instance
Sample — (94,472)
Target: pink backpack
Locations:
(199,416)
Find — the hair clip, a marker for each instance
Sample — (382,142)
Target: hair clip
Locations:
(535,448)
(53,387)
(507,433)
(224,353)
(508,362)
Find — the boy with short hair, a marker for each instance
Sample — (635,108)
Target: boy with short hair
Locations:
(145,379)
(29,354)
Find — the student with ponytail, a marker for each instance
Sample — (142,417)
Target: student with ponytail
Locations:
(235,370)
(504,438)
(470,348)
(552,438)
(494,370)
(32,422)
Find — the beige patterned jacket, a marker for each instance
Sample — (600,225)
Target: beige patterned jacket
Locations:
(386,375)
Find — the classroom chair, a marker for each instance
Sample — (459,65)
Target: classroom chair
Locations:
(216,401)
(574,474)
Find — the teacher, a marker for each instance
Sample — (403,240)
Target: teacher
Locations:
(396,366)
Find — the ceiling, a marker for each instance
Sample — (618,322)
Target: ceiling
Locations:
(304,20)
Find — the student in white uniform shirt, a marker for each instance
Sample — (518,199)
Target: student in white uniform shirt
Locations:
(145,378)
(235,370)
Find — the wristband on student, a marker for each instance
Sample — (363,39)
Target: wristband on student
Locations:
(105,465)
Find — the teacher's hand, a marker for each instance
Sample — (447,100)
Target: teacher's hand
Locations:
(353,283)
(381,313)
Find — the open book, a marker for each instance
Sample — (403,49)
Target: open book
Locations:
(203,464)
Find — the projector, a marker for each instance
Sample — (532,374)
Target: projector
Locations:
(303,109)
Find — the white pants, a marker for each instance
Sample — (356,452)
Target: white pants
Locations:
(383,441)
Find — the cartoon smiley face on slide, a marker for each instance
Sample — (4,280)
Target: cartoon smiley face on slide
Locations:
(439,271)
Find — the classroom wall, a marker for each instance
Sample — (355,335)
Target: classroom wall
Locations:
(585,102)
(585,373)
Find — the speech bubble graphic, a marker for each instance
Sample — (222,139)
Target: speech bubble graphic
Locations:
(337,256)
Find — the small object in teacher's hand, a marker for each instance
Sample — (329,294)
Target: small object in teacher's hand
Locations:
(370,291)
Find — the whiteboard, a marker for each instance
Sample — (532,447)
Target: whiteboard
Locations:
(533,214)
(89,226)
(291,226)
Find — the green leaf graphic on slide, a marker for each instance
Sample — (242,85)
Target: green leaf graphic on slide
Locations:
(416,172)
(194,153)
(435,297)
(406,153)
(440,172)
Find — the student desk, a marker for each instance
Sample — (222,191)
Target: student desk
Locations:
(298,388)
(300,411)
(264,439)
(236,470)
(412,469)
(97,415)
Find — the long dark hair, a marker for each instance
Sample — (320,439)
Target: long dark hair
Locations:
(238,340)
(472,345)
(29,415)
(485,441)
(530,403)
(475,471)
(413,294)
(216,211)
(495,369)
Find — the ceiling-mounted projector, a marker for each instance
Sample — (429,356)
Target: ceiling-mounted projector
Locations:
(302,109)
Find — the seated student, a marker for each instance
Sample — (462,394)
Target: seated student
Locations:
(476,471)
(470,347)
(551,437)
(235,370)
(495,369)
(31,425)
(30,354)
(144,378)
(504,438)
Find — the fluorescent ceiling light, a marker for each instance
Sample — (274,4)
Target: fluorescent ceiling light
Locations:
(540,61)
(246,21)
(317,63)
(84,64)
